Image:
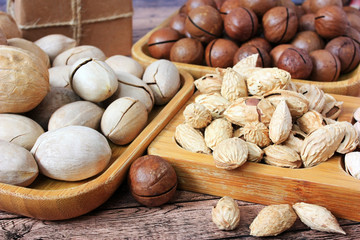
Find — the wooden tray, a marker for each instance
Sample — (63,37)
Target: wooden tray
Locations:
(348,84)
(326,184)
(54,200)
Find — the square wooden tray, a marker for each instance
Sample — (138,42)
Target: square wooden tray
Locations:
(54,200)
(348,84)
(326,184)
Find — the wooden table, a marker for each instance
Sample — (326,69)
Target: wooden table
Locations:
(187,216)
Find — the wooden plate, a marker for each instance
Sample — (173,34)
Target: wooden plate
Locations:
(326,184)
(54,200)
(348,84)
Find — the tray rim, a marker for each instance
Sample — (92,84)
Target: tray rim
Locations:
(102,185)
(348,84)
(314,176)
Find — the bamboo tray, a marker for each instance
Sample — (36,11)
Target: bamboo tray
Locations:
(326,184)
(54,200)
(348,84)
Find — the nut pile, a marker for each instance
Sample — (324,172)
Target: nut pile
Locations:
(61,104)
(246,113)
(272,220)
(318,40)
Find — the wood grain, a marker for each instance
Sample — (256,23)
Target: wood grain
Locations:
(326,184)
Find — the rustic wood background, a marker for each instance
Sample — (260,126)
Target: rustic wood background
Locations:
(187,216)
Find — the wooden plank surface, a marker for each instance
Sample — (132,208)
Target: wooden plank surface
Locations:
(187,216)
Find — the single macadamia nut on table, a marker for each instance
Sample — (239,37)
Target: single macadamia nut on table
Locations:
(80,113)
(161,41)
(123,120)
(54,44)
(71,153)
(121,63)
(164,80)
(23,81)
(93,80)
(134,87)
(187,50)
(152,180)
(18,166)
(70,56)
(19,129)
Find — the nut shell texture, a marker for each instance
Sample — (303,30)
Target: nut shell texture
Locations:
(230,153)
(123,120)
(18,166)
(151,176)
(226,214)
(71,153)
(273,220)
(93,80)
(164,80)
(23,81)
(19,129)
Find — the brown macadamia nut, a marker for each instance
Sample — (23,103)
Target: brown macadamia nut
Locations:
(353,34)
(260,7)
(219,3)
(178,23)
(229,5)
(204,23)
(297,62)
(316,5)
(331,22)
(161,41)
(307,22)
(152,180)
(347,51)
(280,24)
(220,53)
(326,66)
(259,42)
(241,24)
(276,52)
(192,4)
(263,60)
(187,50)
(306,6)
(354,20)
(308,40)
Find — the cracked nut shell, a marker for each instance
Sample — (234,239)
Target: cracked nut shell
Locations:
(152,180)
